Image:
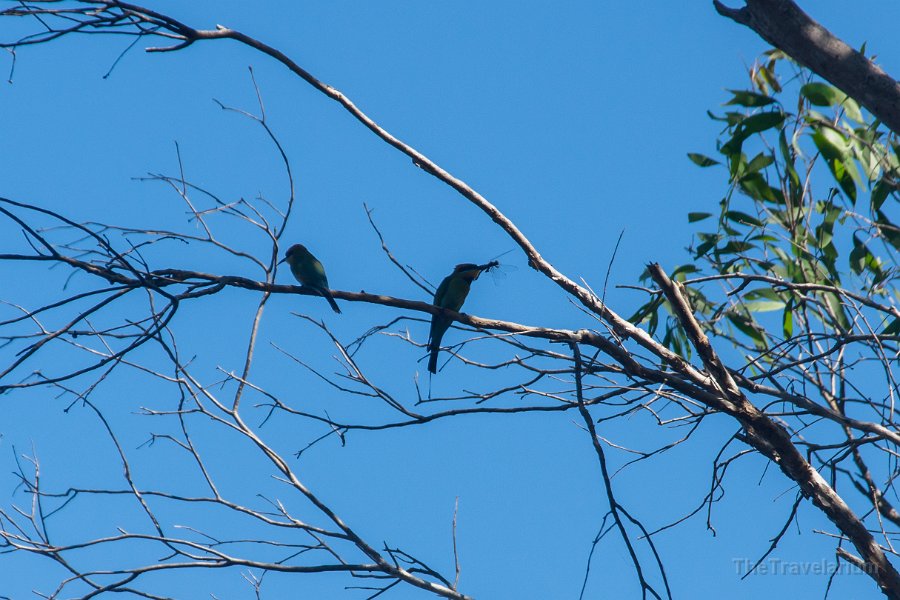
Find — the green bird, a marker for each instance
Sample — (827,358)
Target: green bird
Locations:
(450,294)
(309,271)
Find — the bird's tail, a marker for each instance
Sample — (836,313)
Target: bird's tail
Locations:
(327,295)
(432,359)
(439,326)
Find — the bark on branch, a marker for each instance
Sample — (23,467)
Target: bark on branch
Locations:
(784,25)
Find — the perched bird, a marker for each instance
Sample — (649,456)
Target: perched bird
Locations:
(450,294)
(309,272)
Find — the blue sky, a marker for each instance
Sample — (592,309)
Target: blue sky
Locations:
(573,120)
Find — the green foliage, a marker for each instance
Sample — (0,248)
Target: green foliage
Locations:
(806,224)
(748,98)
(702,160)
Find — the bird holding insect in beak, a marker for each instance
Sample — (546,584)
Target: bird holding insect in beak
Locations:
(450,294)
(309,272)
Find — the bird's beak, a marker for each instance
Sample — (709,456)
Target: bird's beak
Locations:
(282,260)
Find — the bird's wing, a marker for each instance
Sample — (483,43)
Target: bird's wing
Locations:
(310,272)
(318,273)
(442,291)
(455,295)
